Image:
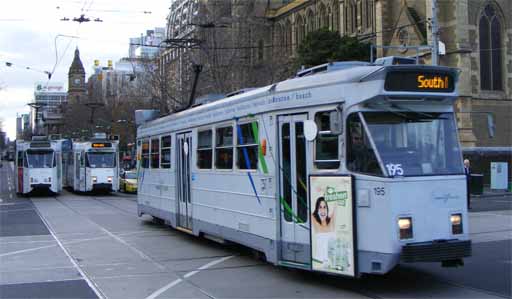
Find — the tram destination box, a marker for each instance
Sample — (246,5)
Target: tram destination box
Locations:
(420,81)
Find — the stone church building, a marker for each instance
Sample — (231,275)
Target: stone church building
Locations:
(476,34)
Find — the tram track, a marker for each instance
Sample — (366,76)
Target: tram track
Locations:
(367,286)
(142,254)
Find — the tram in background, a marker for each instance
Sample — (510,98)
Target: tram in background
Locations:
(92,165)
(348,168)
(38,165)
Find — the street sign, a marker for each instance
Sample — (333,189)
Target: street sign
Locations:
(499,175)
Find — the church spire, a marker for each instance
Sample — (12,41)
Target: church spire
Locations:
(76,66)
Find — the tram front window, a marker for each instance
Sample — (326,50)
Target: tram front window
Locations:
(415,143)
(100,159)
(39,159)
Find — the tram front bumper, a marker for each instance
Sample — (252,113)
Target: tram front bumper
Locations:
(102,187)
(436,251)
(40,186)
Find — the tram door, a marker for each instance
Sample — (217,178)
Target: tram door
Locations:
(294,155)
(184,156)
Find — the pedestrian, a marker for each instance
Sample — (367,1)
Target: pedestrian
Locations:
(467,172)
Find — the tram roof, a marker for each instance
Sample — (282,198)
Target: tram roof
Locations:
(354,75)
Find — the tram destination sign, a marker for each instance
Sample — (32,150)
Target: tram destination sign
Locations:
(101,145)
(39,144)
(417,81)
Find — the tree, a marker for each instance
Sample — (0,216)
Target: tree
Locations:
(323,45)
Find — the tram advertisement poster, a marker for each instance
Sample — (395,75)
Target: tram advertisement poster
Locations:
(332,225)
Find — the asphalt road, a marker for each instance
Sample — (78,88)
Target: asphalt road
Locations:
(86,246)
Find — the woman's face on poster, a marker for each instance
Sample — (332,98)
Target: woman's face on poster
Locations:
(322,210)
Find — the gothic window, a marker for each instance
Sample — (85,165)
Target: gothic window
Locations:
(310,21)
(330,20)
(279,39)
(335,17)
(324,21)
(353,17)
(369,14)
(300,30)
(288,36)
(490,50)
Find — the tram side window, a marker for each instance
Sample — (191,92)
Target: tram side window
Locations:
(224,148)
(165,154)
(360,155)
(155,153)
(204,149)
(326,146)
(247,147)
(145,154)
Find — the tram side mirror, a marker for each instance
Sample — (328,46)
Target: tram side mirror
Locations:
(335,123)
(310,130)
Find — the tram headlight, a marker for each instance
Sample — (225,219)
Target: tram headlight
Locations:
(405,226)
(456,220)
(94,179)
(109,179)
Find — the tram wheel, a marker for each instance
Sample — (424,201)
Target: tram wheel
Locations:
(158,221)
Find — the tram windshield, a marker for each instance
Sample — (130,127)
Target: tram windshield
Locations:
(39,158)
(415,143)
(100,159)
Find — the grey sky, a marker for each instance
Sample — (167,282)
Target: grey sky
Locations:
(28,31)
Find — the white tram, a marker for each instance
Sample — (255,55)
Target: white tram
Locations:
(92,165)
(38,165)
(250,168)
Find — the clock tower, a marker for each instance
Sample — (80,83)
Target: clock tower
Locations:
(77,91)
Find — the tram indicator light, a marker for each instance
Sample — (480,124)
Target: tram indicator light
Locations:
(415,81)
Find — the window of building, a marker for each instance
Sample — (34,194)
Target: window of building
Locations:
(323,17)
(490,50)
(165,152)
(360,155)
(247,147)
(300,30)
(310,21)
(155,152)
(261,50)
(224,148)
(144,161)
(326,143)
(288,37)
(204,149)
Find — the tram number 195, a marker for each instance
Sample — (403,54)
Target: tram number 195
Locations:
(379,191)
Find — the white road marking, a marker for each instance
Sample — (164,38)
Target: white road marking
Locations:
(8,204)
(177,281)
(26,250)
(140,253)
(93,286)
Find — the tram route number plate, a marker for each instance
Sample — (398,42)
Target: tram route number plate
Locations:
(379,191)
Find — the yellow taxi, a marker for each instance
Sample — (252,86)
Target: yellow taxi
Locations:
(128,182)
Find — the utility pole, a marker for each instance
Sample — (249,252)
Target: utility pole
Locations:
(435,34)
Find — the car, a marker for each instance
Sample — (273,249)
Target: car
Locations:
(128,182)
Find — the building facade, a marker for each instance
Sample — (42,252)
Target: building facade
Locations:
(50,99)
(147,45)
(246,39)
